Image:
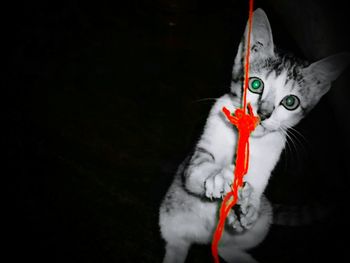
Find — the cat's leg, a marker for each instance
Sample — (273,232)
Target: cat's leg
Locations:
(185,219)
(184,225)
(209,180)
(176,252)
(174,231)
(205,177)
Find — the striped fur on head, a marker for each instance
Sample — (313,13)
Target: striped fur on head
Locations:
(283,75)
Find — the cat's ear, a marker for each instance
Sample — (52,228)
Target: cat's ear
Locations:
(319,75)
(329,68)
(261,42)
(261,38)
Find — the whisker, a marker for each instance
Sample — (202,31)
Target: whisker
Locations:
(296,132)
(304,146)
(295,142)
(298,141)
(280,130)
(296,135)
(300,154)
(292,146)
(299,133)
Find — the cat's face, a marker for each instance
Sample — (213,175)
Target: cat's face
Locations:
(282,89)
(277,100)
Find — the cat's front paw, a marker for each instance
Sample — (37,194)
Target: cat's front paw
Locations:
(249,206)
(246,212)
(218,184)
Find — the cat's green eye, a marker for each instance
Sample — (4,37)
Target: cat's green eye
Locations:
(290,102)
(256,85)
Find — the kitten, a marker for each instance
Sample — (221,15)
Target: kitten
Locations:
(282,90)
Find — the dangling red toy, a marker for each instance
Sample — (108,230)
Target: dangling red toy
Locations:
(245,124)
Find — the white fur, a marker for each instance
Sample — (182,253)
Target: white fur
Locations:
(188,213)
(192,220)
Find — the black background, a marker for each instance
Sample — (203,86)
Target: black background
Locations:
(105,102)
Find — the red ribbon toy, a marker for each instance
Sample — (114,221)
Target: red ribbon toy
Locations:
(245,124)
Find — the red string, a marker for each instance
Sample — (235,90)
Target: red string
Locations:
(247,57)
(245,124)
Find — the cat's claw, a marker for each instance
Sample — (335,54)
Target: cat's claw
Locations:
(218,185)
(247,220)
(233,221)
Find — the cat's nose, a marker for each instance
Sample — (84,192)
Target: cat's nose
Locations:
(264,114)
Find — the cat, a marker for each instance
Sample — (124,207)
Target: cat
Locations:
(282,90)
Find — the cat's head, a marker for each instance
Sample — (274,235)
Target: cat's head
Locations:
(282,89)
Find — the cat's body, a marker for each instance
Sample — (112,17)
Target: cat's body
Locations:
(193,219)
(189,211)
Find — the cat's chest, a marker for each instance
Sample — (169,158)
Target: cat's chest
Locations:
(265,151)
